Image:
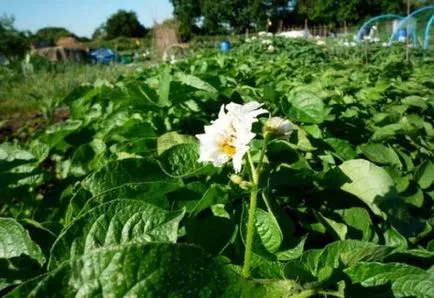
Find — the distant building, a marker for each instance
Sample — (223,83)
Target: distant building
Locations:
(40,44)
(66,49)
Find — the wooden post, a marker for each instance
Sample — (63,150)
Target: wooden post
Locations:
(407,50)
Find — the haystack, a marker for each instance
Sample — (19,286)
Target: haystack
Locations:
(164,36)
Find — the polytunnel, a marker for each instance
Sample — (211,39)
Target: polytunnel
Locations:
(375,21)
(416,26)
(427,33)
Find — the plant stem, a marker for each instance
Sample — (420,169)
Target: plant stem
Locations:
(255,173)
(250,231)
(261,157)
(306,293)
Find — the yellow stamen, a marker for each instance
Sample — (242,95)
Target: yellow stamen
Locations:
(229,149)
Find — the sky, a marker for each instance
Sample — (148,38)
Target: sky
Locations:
(81,17)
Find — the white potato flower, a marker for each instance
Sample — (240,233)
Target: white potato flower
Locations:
(228,136)
(267,42)
(271,48)
(279,127)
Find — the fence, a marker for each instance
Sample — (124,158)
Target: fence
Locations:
(321,30)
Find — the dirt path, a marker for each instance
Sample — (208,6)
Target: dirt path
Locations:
(22,126)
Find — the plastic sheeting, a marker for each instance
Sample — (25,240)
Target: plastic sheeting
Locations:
(103,56)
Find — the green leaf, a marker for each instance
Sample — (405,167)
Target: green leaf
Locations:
(405,280)
(342,148)
(181,160)
(415,101)
(381,154)
(305,107)
(303,269)
(268,234)
(215,194)
(425,174)
(113,223)
(165,80)
(337,229)
(120,172)
(366,181)
(281,151)
(303,142)
(332,254)
(127,178)
(393,238)
(12,156)
(15,241)
(430,246)
(266,267)
(419,257)
(18,253)
(387,131)
(170,139)
(268,230)
(322,263)
(413,196)
(195,82)
(313,130)
(359,223)
(292,253)
(213,233)
(56,133)
(140,94)
(151,270)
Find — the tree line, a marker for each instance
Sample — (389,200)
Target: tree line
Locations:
(15,43)
(220,16)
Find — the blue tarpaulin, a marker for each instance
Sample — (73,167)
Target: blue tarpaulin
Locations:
(103,55)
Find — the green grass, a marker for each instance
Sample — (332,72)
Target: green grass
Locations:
(44,89)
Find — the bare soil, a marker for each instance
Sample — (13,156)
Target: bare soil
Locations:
(22,126)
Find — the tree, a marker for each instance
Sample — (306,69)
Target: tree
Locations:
(213,14)
(124,23)
(319,11)
(186,12)
(52,34)
(246,14)
(100,32)
(13,43)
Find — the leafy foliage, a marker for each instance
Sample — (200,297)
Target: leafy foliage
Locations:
(13,43)
(213,17)
(123,23)
(347,200)
(51,34)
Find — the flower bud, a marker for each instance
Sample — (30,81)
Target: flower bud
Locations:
(246,185)
(278,127)
(236,179)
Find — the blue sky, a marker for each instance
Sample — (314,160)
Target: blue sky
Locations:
(80,16)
